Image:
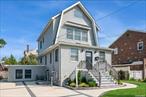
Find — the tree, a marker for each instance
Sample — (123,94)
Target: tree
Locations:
(29,60)
(10,61)
(2,43)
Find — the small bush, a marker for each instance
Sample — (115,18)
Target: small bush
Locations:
(84,80)
(83,85)
(92,84)
(144,80)
(132,79)
(72,84)
(1,77)
(123,75)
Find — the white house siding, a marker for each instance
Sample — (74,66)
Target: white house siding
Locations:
(68,66)
(69,16)
(37,70)
(49,35)
(53,66)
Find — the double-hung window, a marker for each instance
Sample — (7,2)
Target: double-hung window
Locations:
(84,36)
(102,55)
(77,34)
(56,55)
(140,46)
(74,54)
(19,73)
(50,58)
(69,33)
(28,73)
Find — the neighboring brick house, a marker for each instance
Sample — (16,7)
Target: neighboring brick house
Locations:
(130,50)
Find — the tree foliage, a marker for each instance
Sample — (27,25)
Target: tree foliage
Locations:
(10,61)
(29,60)
(2,43)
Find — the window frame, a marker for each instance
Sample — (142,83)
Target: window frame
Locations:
(70,33)
(100,54)
(115,51)
(77,35)
(86,36)
(138,46)
(50,57)
(26,75)
(19,75)
(78,14)
(56,55)
(46,60)
(74,55)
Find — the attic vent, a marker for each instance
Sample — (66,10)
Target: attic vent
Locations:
(78,14)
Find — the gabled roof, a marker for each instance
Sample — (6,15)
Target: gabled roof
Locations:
(129,31)
(65,10)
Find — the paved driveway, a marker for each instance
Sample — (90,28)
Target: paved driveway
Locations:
(30,89)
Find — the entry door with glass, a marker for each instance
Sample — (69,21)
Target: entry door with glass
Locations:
(88,60)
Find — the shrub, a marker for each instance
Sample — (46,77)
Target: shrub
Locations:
(72,84)
(92,84)
(144,80)
(84,80)
(83,85)
(123,75)
(1,77)
(132,79)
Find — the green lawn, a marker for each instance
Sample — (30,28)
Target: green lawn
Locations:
(140,90)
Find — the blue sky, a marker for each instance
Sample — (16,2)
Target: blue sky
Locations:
(22,21)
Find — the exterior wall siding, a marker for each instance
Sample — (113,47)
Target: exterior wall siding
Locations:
(69,16)
(36,71)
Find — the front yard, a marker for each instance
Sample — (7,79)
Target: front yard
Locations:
(140,91)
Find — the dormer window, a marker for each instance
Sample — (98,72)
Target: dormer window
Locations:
(41,44)
(78,14)
(140,46)
(69,33)
(84,36)
(77,34)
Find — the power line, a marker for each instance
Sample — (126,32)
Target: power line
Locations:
(116,11)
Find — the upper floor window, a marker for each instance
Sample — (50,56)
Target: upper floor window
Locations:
(56,55)
(116,51)
(41,44)
(77,34)
(140,45)
(78,14)
(84,36)
(50,58)
(74,54)
(69,33)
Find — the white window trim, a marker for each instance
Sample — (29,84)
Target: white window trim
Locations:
(81,32)
(115,51)
(77,55)
(138,45)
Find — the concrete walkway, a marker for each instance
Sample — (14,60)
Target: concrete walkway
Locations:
(30,89)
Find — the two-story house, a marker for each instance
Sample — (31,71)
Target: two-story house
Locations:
(69,38)
(130,53)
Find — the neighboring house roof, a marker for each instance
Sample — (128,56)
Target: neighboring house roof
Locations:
(61,14)
(126,32)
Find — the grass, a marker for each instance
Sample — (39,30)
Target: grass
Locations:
(140,91)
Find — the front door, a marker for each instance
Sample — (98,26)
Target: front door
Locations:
(89,60)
